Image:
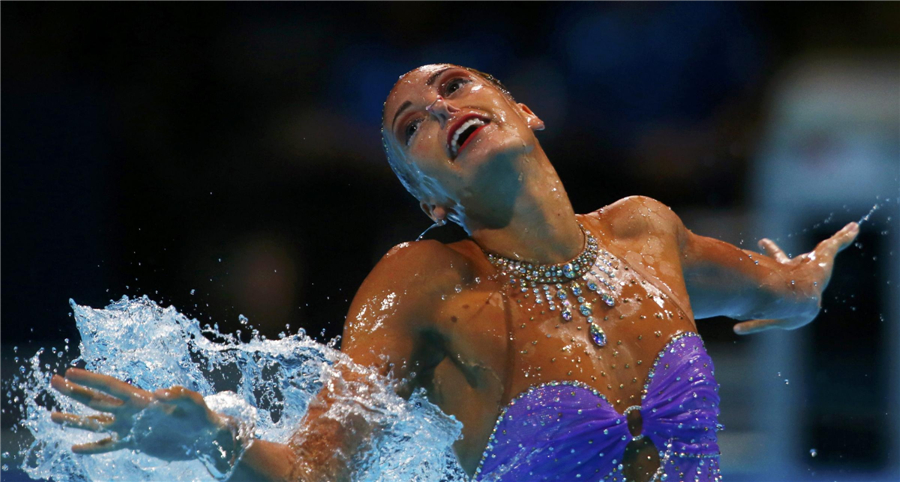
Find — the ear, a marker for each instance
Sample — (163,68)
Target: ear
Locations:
(534,122)
(437,213)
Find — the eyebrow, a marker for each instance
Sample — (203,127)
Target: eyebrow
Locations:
(435,75)
(428,82)
(401,109)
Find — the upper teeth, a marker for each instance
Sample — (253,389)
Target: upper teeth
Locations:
(454,144)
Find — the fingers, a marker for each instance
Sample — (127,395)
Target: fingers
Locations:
(93,423)
(773,250)
(839,241)
(182,398)
(92,398)
(755,326)
(178,393)
(105,383)
(98,447)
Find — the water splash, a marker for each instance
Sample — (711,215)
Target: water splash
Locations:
(153,347)
(869,214)
(437,224)
(880,203)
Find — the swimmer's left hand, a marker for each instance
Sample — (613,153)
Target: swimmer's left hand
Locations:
(809,272)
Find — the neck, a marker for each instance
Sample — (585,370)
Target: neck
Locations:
(541,227)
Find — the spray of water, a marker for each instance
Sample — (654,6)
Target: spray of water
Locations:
(435,225)
(870,213)
(270,381)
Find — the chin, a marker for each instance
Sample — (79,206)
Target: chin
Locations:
(496,145)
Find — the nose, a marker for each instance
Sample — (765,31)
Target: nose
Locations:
(441,110)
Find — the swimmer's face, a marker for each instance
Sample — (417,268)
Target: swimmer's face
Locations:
(454,126)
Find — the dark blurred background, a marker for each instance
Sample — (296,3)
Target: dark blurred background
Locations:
(226,159)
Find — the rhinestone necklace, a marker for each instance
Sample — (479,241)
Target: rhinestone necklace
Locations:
(591,270)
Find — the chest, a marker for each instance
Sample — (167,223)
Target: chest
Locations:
(612,350)
(499,340)
(503,336)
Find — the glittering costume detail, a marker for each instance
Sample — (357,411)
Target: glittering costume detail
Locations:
(566,431)
(593,267)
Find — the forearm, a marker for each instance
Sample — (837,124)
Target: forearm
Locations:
(321,450)
(266,461)
(230,452)
(325,448)
(324,445)
(724,280)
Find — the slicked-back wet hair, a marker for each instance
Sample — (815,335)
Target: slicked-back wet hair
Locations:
(409,174)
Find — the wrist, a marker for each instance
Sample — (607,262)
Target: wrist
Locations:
(224,447)
(232,423)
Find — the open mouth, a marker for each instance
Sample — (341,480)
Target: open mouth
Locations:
(464,131)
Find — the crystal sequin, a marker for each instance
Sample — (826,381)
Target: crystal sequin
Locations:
(597,335)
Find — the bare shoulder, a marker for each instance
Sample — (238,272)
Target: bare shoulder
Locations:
(639,216)
(407,280)
(421,263)
(391,320)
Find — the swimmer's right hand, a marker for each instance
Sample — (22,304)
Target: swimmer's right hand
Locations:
(171,424)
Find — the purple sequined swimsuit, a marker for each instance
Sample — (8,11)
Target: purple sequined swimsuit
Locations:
(567,431)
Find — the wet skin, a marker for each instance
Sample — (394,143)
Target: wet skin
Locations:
(490,342)
(441,316)
(481,347)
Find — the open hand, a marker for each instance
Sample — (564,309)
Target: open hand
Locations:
(810,272)
(171,424)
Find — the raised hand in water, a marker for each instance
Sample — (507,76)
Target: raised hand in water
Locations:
(810,273)
(170,424)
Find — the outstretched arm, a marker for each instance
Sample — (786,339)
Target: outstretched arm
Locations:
(387,329)
(770,290)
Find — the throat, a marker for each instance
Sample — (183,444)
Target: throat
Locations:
(535,243)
